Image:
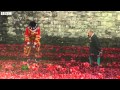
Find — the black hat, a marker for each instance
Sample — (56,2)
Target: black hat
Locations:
(32,25)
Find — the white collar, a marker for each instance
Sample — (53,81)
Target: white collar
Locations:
(33,30)
(92,34)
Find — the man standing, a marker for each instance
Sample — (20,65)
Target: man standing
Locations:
(94,48)
(32,39)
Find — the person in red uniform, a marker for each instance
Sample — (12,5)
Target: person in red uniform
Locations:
(32,39)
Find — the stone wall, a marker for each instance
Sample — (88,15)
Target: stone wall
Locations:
(3,28)
(70,24)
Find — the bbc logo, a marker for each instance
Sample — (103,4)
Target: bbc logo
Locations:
(6,13)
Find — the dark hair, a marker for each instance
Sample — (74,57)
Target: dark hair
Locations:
(32,24)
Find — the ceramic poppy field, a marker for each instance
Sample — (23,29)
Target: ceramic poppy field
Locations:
(58,62)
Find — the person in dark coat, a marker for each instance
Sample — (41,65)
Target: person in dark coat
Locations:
(95,48)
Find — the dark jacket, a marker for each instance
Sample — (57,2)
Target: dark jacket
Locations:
(94,45)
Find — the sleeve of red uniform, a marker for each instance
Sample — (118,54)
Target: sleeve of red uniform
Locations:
(37,39)
(26,35)
(39,31)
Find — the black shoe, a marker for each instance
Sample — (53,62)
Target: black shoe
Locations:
(28,60)
(36,60)
(92,65)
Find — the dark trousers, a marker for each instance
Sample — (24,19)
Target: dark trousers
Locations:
(93,58)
